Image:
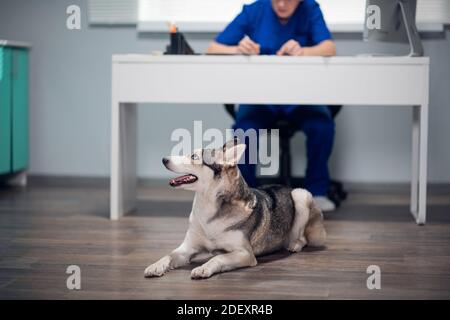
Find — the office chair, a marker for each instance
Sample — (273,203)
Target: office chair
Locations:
(336,193)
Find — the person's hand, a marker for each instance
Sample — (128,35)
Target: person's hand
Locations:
(291,48)
(248,46)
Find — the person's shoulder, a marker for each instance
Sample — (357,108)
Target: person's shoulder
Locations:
(309,7)
(309,4)
(257,6)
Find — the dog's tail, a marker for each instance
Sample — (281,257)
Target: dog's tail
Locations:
(315,230)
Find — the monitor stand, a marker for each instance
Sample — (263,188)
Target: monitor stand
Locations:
(415,44)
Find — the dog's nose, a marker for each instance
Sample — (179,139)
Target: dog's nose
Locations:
(165,161)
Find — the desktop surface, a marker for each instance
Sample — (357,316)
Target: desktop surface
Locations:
(142,58)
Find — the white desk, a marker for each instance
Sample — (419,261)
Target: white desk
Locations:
(375,81)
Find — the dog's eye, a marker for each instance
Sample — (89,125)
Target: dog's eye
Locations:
(195,157)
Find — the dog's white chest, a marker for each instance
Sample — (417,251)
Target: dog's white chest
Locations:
(211,229)
(211,233)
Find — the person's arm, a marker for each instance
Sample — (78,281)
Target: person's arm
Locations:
(322,41)
(218,48)
(293,48)
(324,48)
(245,46)
(233,39)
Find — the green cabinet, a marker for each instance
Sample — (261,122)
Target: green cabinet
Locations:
(5,109)
(19,109)
(13,109)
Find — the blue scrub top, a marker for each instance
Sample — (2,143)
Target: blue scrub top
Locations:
(260,22)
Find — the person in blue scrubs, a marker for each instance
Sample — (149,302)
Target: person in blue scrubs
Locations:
(285,27)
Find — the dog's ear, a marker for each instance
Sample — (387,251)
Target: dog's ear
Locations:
(231,143)
(234,153)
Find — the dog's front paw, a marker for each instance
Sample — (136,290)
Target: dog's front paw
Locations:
(201,272)
(157,269)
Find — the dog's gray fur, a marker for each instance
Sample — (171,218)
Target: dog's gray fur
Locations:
(232,223)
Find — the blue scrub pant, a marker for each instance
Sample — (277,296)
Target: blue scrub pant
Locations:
(317,124)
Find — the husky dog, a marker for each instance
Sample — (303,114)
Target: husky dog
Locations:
(230,223)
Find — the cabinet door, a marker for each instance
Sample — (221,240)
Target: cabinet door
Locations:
(5,110)
(19,109)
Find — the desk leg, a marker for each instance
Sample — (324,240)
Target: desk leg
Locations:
(123,159)
(423,157)
(415,161)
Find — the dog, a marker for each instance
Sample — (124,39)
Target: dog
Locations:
(230,223)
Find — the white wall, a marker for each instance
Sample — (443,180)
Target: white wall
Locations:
(70,103)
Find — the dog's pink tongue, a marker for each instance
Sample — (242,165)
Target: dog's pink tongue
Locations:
(187,178)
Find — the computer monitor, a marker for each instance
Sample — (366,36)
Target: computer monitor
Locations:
(393,21)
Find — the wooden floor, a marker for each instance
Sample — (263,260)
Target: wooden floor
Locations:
(45,229)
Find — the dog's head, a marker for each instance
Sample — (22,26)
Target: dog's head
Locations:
(206,168)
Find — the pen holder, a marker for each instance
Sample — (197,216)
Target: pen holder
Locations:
(178,44)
